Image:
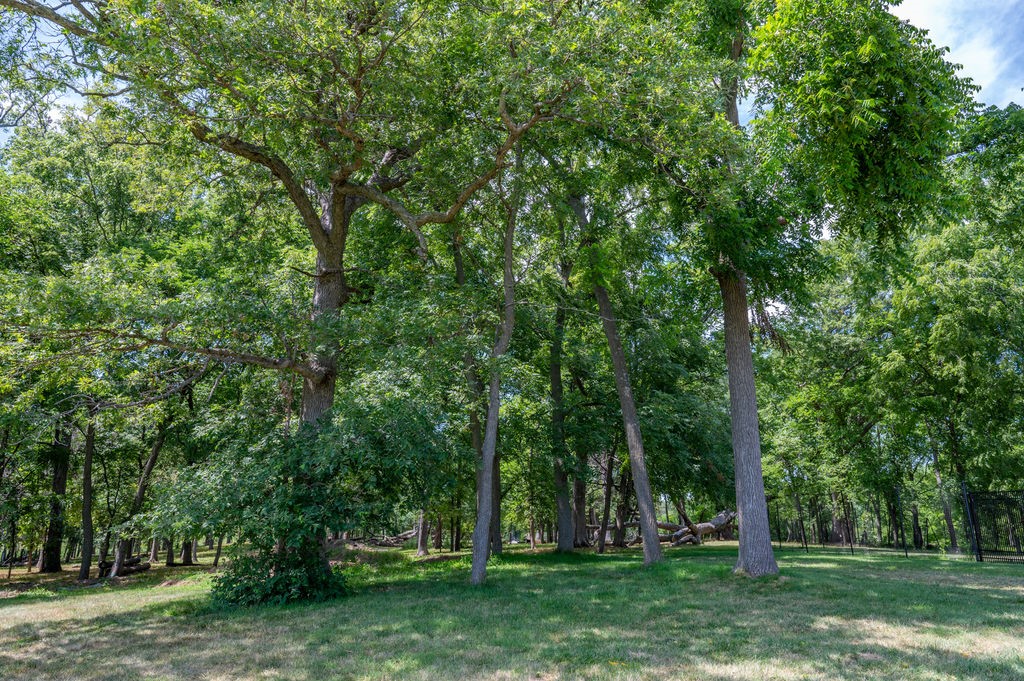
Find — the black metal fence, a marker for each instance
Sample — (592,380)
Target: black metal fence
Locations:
(996,525)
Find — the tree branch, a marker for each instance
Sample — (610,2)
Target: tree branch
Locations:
(41,11)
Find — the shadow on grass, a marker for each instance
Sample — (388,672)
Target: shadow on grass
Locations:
(568,616)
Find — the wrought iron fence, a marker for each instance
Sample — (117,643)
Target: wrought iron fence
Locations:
(996,524)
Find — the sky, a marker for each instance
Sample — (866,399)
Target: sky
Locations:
(982,35)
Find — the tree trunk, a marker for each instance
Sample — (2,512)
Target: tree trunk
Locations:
(49,560)
(755,552)
(482,530)
(630,420)
(918,536)
(216,555)
(947,511)
(123,546)
(622,511)
(562,504)
(87,528)
(186,552)
(579,498)
(422,534)
(606,511)
(496,547)
(154,550)
(170,552)
(631,426)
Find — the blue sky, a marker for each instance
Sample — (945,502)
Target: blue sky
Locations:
(982,35)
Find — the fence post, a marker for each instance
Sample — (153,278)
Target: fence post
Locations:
(972,526)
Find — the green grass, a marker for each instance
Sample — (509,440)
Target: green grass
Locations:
(541,616)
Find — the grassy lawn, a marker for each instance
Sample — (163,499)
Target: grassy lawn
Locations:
(540,616)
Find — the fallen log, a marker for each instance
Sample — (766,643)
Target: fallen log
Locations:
(392,542)
(694,533)
(136,566)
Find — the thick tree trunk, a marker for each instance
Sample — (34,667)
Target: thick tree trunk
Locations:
(755,552)
(49,560)
(154,550)
(87,528)
(170,552)
(330,293)
(485,478)
(422,534)
(186,552)
(562,504)
(123,546)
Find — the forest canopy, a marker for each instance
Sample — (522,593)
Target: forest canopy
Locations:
(578,272)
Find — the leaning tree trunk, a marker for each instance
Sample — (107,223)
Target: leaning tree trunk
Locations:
(123,545)
(631,425)
(755,552)
(49,559)
(216,555)
(485,478)
(630,420)
(87,528)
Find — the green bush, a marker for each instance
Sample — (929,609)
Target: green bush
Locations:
(276,580)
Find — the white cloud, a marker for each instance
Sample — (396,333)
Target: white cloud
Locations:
(982,36)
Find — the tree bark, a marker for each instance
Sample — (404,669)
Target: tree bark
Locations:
(496,538)
(481,533)
(918,536)
(631,426)
(630,420)
(186,552)
(123,546)
(49,560)
(606,511)
(622,511)
(947,511)
(755,552)
(87,528)
(216,555)
(579,498)
(170,552)
(422,534)
(562,504)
